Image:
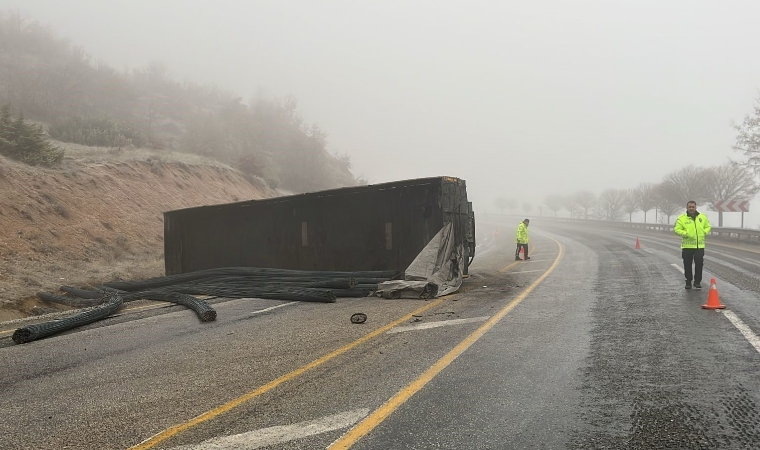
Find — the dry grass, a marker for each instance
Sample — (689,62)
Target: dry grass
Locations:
(82,154)
(98,218)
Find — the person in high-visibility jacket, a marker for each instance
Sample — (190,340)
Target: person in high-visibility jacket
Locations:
(521,237)
(692,226)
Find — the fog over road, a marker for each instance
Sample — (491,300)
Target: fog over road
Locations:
(590,344)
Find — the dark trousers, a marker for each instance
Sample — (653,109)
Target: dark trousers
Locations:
(697,256)
(517,251)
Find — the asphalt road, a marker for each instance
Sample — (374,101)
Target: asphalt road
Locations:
(592,344)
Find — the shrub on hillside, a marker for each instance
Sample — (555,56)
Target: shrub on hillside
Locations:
(96,132)
(249,164)
(26,142)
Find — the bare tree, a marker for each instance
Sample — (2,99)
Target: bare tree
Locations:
(647,198)
(731,181)
(748,140)
(527,207)
(668,201)
(554,203)
(597,212)
(630,202)
(586,200)
(573,206)
(611,204)
(688,183)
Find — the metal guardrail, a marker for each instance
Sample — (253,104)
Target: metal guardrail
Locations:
(742,234)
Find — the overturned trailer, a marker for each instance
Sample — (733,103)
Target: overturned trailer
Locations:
(375,227)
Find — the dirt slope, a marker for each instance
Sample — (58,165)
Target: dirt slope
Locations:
(96,219)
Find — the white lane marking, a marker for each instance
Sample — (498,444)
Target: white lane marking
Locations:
(529,271)
(442,323)
(279,434)
(741,326)
(272,307)
(648,251)
(539,260)
(744,329)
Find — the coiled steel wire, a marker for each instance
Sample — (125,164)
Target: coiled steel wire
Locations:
(204,311)
(272,291)
(41,330)
(201,307)
(229,282)
(355,292)
(70,300)
(287,274)
(82,293)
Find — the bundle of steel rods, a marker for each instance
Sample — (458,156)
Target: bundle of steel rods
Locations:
(281,284)
(41,330)
(228,282)
(253,272)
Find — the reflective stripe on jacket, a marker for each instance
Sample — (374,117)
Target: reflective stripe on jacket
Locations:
(692,231)
(522,234)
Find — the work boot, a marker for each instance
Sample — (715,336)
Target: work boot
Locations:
(697,285)
(688,284)
(517,258)
(527,258)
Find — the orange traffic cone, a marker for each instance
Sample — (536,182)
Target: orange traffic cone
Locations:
(638,245)
(713,300)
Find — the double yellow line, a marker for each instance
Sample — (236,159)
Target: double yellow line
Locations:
(173,431)
(374,419)
(514,263)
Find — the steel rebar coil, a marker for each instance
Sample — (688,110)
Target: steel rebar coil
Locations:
(157,282)
(204,311)
(69,300)
(41,330)
(82,293)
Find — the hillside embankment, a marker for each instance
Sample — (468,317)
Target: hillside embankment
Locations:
(97,218)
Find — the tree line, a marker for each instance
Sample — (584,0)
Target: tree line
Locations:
(704,185)
(734,180)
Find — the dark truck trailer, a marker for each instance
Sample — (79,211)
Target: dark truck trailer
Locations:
(374,227)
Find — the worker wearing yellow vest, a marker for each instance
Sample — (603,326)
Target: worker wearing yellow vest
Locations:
(521,237)
(692,226)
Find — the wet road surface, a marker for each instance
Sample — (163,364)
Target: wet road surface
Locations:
(590,344)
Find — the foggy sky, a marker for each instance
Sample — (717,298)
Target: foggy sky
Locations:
(520,99)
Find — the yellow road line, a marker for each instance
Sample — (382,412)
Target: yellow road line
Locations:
(232,404)
(374,419)
(514,263)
